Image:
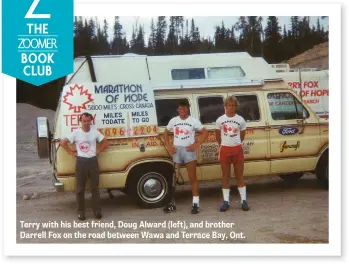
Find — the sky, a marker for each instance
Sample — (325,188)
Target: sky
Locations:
(206,24)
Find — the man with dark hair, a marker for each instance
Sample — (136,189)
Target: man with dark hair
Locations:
(86,163)
(184,148)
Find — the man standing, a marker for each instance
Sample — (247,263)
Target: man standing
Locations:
(184,148)
(86,163)
(230,133)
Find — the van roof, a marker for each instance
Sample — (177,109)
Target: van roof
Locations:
(159,70)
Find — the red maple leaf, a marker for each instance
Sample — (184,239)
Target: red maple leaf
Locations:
(77,98)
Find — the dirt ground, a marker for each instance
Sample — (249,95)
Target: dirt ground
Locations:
(317,57)
(279,213)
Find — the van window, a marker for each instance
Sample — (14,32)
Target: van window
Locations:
(225,72)
(210,108)
(248,107)
(166,109)
(285,106)
(188,74)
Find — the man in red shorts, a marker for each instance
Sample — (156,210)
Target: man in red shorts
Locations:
(230,133)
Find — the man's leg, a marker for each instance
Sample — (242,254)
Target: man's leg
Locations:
(239,174)
(191,169)
(171,207)
(94,180)
(225,162)
(81,177)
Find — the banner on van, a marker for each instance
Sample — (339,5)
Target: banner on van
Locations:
(119,110)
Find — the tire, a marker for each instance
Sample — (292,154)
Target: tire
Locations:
(150,186)
(322,172)
(291,178)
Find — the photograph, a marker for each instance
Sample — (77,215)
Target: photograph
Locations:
(179,130)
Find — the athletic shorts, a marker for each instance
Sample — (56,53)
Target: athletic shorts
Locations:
(232,155)
(182,155)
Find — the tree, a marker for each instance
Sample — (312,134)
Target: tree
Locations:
(271,45)
(117,45)
(250,34)
(152,37)
(171,42)
(160,35)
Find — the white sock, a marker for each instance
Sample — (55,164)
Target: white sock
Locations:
(226,193)
(196,200)
(242,191)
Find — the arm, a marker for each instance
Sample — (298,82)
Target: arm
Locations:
(218,136)
(103,146)
(64,144)
(242,130)
(168,145)
(242,135)
(218,132)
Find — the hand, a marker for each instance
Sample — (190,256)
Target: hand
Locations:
(171,149)
(73,153)
(193,147)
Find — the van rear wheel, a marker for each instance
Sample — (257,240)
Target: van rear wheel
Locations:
(150,185)
(291,178)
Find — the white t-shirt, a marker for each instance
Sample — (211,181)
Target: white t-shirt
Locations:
(230,128)
(85,141)
(184,130)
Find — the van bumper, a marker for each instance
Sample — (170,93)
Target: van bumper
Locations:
(59,186)
(106,181)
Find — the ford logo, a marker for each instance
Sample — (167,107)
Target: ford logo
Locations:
(285,131)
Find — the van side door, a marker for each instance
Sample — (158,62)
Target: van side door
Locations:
(256,143)
(294,133)
(208,107)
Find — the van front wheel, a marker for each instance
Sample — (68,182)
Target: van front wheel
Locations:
(322,173)
(150,186)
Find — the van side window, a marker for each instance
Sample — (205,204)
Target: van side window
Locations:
(166,109)
(248,107)
(210,108)
(225,72)
(284,106)
(188,74)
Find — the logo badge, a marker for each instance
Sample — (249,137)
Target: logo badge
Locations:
(286,131)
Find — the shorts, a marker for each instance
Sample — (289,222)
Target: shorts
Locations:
(182,155)
(232,155)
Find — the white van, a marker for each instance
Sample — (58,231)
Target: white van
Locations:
(284,136)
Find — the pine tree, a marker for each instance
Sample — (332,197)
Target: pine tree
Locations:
(152,37)
(171,42)
(160,35)
(272,40)
(117,43)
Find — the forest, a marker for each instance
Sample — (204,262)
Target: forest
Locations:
(176,35)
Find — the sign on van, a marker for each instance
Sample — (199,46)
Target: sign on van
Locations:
(119,110)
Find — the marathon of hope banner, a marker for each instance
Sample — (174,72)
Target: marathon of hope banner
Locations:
(37,38)
(118,110)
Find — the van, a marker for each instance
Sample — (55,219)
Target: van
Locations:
(284,136)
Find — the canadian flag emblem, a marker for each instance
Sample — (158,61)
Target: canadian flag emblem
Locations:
(179,131)
(227,129)
(77,98)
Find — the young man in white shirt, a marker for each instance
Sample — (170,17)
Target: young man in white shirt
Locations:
(230,133)
(86,162)
(184,148)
